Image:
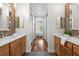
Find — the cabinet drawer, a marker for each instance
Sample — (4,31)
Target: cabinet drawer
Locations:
(4,50)
(68,45)
(76,49)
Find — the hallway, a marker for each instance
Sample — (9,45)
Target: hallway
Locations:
(39,44)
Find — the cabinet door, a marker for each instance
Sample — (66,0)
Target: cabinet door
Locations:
(65,51)
(75,49)
(4,50)
(15,48)
(57,45)
(23,45)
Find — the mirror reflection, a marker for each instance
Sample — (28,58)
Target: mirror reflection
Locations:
(75,16)
(6,13)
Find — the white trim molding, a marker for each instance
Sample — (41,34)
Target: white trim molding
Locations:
(51,51)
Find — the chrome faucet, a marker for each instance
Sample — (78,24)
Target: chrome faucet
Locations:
(1,34)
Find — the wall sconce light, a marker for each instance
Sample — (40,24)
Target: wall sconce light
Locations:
(70,7)
(15,5)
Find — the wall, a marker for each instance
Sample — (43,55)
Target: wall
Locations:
(22,10)
(54,11)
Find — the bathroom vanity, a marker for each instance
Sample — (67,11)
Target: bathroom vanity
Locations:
(69,48)
(18,47)
(14,45)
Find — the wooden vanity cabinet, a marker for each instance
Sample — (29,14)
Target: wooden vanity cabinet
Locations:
(4,50)
(69,49)
(62,50)
(18,47)
(23,45)
(15,49)
(57,45)
(75,50)
(66,50)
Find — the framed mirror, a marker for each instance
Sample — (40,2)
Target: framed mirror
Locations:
(75,16)
(4,13)
(7,19)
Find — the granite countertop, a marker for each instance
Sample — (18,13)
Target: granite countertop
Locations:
(11,38)
(74,40)
(65,38)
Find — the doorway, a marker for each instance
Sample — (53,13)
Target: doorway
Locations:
(39,44)
(38,26)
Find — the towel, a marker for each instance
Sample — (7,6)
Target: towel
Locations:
(63,40)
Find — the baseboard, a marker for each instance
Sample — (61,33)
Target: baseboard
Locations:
(51,51)
(28,51)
